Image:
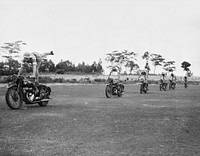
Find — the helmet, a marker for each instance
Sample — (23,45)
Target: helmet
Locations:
(27,55)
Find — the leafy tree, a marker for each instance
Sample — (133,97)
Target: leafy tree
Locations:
(169,66)
(157,60)
(94,67)
(47,66)
(10,51)
(132,65)
(66,65)
(146,56)
(99,67)
(118,59)
(185,65)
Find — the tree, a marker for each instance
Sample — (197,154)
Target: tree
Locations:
(66,65)
(132,65)
(185,65)
(47,66)
(146,56)
(94,67)
(169,66)
(99,67)
(157,60)
(10,51)
(118,59)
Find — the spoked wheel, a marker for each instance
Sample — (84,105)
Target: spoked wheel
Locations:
(164,87)
(172,86)
(185,85)
(161,88)
(119,91)
(108,91)
(141,88)
(13,98)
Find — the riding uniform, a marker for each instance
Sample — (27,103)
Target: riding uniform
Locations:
(163,77)
(144,73)
(173,78)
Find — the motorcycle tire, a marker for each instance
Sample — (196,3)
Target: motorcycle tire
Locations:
(185,85)
(108,91)
(161,88)
(14,99)
(141,88)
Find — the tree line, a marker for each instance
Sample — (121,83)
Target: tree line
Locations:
(121,59)
(128,59)
(10,65)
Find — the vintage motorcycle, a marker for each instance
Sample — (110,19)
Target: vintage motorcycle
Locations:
(21,90)
(163,85)
(172,85)
(143,86)
(113,88)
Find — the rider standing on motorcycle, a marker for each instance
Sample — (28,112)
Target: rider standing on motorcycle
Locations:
(145,72)
(35,59)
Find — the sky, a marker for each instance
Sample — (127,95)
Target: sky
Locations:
(86,30)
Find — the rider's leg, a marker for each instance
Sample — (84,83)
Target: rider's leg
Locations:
(37,70)
(21,69)
(47,53)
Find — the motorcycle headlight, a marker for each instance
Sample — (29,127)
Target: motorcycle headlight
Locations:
(14,78)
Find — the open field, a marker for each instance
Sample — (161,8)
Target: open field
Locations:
(81,121)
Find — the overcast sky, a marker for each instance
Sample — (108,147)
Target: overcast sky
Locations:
(85,30)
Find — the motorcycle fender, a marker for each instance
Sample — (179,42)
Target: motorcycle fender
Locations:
(10,85)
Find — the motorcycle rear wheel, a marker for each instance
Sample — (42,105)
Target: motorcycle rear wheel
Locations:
(13,98)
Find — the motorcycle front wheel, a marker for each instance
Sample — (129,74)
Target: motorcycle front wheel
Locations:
(13,98)
(108,91)
(141,88)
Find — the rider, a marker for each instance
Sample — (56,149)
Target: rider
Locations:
(115,70)
(163,77)
(35,59)
(173,78)
(145,72)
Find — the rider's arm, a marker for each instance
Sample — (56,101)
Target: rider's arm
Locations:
(21,70)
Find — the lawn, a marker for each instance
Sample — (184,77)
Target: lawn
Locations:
(80,120)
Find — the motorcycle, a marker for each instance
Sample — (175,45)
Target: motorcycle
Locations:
(21,90)
(113,88)
(172,85)
(163,85)
(143,86)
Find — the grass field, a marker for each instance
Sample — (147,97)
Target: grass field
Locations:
(81,121)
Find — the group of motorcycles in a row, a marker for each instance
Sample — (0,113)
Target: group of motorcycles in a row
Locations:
(22,89)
